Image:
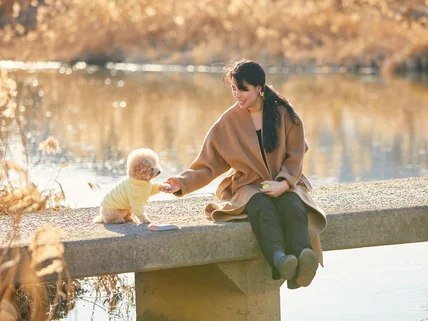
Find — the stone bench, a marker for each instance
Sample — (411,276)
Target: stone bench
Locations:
(214,271)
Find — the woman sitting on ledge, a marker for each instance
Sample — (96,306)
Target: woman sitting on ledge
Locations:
(260,142)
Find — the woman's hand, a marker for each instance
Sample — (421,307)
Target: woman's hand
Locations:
(275,188)
(173,187)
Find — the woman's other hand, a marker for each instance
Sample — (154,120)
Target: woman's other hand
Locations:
(275,188)
(173,186)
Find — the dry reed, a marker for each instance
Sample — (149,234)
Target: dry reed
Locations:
(345,32)
(23,295)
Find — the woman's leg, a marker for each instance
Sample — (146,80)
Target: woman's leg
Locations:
(294,221)
(266,225)
(294,218)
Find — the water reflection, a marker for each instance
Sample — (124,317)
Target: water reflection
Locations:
(357,128)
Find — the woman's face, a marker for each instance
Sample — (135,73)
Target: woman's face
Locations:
(247,98)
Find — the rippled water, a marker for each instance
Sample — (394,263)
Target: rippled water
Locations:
(359,128)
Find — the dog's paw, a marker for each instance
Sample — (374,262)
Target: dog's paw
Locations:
(98,219)
(164,187)
(128,219)
(142,220)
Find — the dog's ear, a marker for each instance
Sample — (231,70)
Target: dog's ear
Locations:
(148,163)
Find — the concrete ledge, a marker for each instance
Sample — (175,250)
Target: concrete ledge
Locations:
(359,215)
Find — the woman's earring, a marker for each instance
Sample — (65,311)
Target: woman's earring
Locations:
(262,94)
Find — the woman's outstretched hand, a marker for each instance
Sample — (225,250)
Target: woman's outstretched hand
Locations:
(274,188)
(173,187)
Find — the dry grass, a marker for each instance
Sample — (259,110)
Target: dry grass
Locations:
(31,298)
(346,32)
(111,293)
(18,195)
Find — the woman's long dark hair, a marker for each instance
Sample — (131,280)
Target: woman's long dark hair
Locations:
(253,74)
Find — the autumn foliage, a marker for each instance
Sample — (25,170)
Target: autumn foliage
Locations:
(377,33)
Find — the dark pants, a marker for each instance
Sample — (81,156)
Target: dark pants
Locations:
(280,224)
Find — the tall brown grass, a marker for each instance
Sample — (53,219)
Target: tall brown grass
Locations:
(23,295)
(112,293)
(346,32)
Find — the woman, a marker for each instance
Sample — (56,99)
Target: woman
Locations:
(260,142)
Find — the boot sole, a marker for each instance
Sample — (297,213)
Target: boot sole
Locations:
(308,265)
(287,268)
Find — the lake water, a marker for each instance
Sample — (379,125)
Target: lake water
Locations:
(359,128)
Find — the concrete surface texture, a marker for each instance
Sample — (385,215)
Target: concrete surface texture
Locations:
(241,290)
(215,271)
(362,214)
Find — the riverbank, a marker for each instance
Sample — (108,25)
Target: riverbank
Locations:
(381,35)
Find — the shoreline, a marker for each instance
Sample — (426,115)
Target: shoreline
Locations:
(190,68)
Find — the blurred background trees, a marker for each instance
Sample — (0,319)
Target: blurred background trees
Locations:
(392,34)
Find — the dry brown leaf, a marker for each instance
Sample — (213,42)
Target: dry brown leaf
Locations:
(93,186)
(46,248)
(55,267)
(10,263)
(7,311)
(50,146)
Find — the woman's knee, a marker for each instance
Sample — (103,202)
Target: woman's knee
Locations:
(260,204)
(258,200)
(291,202)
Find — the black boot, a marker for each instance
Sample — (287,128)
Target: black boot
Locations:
(308,265)
(285,264)
(292,284)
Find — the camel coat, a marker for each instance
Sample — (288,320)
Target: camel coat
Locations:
(232,145)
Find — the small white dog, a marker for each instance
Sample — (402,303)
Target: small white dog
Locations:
(131,194)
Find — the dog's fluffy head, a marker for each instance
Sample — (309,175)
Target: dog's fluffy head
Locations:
(143,164)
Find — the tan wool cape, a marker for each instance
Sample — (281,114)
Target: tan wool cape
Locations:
(232,145)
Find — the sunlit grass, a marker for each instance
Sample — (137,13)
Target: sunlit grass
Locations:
(17,196)
(358,32)
(24,295)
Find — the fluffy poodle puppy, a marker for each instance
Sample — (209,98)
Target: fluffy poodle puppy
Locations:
(131,194)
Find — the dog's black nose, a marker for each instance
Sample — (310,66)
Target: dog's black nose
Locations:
(159,172)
